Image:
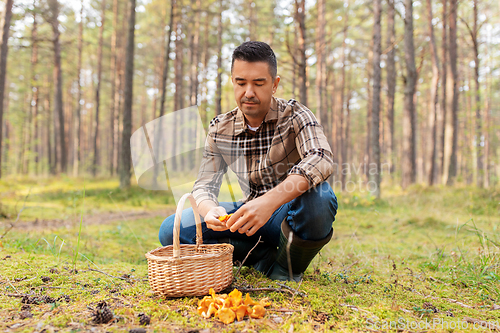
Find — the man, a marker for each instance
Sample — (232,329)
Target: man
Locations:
(282,159)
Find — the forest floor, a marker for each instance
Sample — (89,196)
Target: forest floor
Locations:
(426,259)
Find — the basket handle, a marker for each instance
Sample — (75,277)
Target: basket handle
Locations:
(177,223)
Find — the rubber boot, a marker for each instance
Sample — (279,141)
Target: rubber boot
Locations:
(302,252)
(261,258)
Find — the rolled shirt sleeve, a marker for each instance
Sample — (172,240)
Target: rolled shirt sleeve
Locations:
(316,163)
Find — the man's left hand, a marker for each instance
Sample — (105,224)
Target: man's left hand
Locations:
(255,213)
(251,216)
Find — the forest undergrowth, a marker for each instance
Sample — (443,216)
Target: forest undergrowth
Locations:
(426,259)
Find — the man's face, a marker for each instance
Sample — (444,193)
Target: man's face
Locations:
(253,89)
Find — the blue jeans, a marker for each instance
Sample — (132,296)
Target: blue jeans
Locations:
(310,216)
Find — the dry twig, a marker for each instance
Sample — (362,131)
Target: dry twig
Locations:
(19,295)
(294,291)
(115,277)
(248,254)
(277,290)
(451,300)
(298,287)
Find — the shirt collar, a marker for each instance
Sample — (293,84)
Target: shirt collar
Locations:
(272,114)
(273,111)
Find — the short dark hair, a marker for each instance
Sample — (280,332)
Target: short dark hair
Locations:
(254,51)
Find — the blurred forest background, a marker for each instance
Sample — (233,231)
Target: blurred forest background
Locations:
(409,84)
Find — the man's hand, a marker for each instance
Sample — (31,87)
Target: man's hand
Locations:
(254,214)
(251,216)
(212,219)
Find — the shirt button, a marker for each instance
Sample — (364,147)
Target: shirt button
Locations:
(258,161)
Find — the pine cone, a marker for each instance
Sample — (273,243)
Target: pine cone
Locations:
(144,319)
(102,314)
(430,306)
(30,300)
(47,299)
(25,314)
(45,279)
(25,307)
(64,298)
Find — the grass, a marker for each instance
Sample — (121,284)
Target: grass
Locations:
(62,198)
(427,256)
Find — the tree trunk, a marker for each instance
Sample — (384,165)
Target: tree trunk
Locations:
(391,83)
(300,18)
(251,20)
(69,118)
(167,58)
(321,111)
(498,154)
(443,106)
(368,146)
(121,92)
(50,128)
(114,89)
(434,100)
(4,48)
(451,134)
(179,90)
(119,84)
(22,137)
(78,115)
(127,101)
(6,154)
(206,57)
(487,127)
(469,130)
(55,137)
(341,138)
(35,92)
(98,89)
(478,138)
(347,151)
(57,74)
(375,130)
(195,54)
(26,140)
(409,163)
(218,96)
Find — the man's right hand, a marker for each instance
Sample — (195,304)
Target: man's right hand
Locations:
(212,219)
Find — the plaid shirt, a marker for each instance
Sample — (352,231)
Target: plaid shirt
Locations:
(289,141)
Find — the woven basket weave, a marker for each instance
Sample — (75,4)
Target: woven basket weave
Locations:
(189,270)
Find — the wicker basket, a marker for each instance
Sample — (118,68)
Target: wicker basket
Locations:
(189,270)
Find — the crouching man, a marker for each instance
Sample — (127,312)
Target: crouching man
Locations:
(282,158)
